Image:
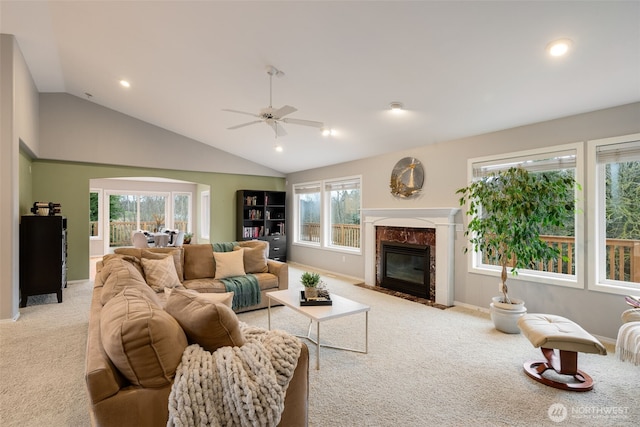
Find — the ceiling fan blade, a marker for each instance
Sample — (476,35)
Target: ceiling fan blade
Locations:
(283,111)
(240,112)
(304,122)
(245,124)
(279,130)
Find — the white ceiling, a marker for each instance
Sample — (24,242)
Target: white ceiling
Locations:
(460,68)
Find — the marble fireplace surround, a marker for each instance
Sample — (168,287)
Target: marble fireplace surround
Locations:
(440,219)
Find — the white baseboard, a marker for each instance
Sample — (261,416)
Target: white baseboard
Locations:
(328,273)
(604,340)
(471,307)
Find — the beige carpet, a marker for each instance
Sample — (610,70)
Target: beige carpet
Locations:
(425,367)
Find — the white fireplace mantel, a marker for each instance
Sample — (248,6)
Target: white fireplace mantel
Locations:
(441,219)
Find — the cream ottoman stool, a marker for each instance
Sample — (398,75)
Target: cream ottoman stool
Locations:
(549,332)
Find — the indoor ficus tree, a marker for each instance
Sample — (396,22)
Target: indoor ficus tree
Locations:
(508,210)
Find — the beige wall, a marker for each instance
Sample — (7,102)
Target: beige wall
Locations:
(445,167)
(77,130)
(18,127)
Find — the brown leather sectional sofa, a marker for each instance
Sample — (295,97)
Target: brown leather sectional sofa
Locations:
(117,399)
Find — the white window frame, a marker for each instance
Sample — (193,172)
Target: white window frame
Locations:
(296,213)
(328,186)
(100,213)
(205,214)
(325,217)
(597,226)
(474,264)
(173,208)
(107,193)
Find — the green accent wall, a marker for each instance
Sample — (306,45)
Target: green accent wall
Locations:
(67,183)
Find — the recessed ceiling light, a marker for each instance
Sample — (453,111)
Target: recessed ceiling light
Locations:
(559,47)
(396,106)
(125,83)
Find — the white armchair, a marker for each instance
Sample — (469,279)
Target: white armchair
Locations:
(178,239)
(139,240)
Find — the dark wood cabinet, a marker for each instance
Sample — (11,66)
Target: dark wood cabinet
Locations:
(262,215)
(43,256)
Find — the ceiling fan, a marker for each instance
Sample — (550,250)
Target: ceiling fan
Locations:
(272,116)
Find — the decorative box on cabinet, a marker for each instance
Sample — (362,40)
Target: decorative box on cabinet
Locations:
(43,256)
(262,215)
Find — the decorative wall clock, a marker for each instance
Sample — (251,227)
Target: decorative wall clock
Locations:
(407,177)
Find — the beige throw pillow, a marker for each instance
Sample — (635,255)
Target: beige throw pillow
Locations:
(160,273)
(255,258)
(210,325)
(143,341)
(229,264)
(225,298)
(159,253)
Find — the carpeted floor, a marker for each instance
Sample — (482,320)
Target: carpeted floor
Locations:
(425,366)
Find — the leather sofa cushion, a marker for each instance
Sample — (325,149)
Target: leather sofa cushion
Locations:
(255,256)
(121,275)
(211,325)
(198,262)
(143,341)
(106,269)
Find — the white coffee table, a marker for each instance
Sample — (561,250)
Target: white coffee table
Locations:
(320,313)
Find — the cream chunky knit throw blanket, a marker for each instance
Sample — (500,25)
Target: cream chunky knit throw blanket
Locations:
(235,386)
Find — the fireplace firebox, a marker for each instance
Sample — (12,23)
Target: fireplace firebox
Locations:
(406,268)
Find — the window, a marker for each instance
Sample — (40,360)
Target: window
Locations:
(205,208)
(327,214)
(307,205)
(95,214)
(344,213)
(182,211)
(135,210)
(555,160)
(153,212)
(615,215)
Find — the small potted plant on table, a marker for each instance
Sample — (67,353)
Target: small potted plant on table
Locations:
(508,210)
(310,281)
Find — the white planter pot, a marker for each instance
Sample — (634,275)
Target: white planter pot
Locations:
(516,304)
(507,320)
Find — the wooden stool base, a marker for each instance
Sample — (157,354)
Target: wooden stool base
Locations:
(566,364)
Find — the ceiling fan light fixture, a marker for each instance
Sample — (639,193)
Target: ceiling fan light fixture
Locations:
(396,107)
(125,83)
(559,47)
(328,132)
(278,148)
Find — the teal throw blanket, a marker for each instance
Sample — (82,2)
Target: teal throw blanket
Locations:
(224,246)
(246,289)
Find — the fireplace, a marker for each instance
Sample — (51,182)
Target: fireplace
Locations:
(406,268)
(441,223)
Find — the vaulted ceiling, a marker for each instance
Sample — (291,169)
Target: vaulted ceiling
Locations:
(459,68)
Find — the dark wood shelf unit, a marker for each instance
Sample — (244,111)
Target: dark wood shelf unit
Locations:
(262,215)
(43,256)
